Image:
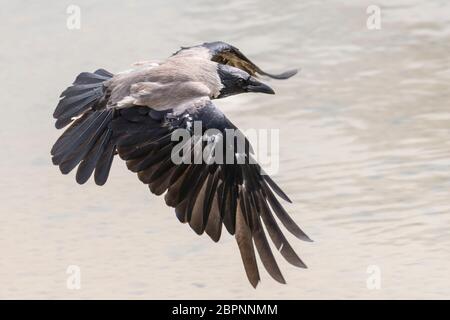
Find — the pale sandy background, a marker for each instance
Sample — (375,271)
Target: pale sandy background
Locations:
(365,151)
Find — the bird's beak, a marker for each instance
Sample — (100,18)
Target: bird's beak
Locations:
(256,86)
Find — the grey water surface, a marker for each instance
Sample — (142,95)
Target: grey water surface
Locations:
(364,150)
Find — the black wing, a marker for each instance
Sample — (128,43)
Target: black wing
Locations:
(207,195)
(225,53)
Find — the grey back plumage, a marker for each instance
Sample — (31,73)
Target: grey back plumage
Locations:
(172,83)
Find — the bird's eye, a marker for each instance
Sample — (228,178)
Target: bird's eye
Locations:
(241,82)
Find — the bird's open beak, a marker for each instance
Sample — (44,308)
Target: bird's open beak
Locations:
(256,86)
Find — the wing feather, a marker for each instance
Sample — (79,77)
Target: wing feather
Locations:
(208,195)
(245,244)
(225,53)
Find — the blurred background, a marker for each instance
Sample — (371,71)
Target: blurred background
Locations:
(365,150)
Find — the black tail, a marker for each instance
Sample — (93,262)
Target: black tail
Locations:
(88,141)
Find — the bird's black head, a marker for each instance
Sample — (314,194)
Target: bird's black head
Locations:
(235,81)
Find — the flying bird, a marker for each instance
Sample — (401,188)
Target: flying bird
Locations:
(133,114)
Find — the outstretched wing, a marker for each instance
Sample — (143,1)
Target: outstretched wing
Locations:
(225,53)
(206,194)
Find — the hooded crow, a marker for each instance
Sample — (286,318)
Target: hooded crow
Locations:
(135,113)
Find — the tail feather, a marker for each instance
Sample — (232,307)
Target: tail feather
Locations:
(80,135)
(104,164)
(61,123)
(85,92)
(68,133)
(98,76)
(87,166)
(75,105)
(78,89)
(81,144)
(103,73)
(88,142)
